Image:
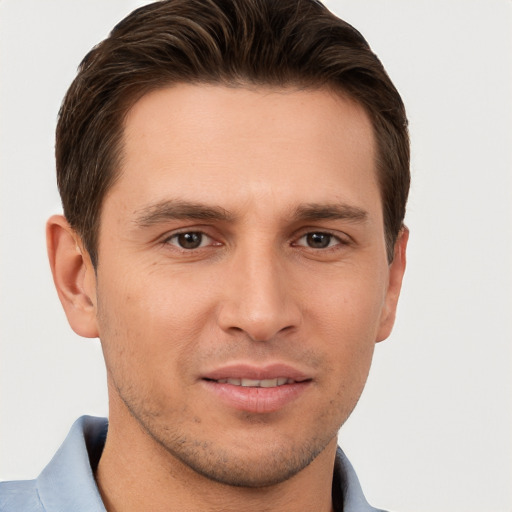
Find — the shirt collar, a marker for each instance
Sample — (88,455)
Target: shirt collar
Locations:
(67,482)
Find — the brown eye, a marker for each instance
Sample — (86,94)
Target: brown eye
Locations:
(319,240)
(190,240)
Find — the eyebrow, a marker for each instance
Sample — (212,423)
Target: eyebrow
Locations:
(335,211)
(179,210)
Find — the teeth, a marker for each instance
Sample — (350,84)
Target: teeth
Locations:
(254,383)
(250,383)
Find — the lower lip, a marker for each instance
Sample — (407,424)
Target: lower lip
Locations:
(257,400)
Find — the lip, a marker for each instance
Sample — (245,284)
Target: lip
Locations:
(271,371)
(257,400)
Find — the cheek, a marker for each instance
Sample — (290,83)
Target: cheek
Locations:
(149,321)
(348,306)
(345,318)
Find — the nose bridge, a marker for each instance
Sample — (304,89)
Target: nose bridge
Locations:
(258,296)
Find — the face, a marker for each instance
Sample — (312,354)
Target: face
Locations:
(242,279)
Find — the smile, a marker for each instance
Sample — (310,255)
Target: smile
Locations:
(254,383)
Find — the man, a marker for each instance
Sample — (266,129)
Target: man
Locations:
(234,177)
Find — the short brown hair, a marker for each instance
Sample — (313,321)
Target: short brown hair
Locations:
(231,42)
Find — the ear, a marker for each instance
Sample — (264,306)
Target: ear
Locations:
(396,274)
(73,275)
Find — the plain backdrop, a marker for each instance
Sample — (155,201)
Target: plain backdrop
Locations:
(433,430)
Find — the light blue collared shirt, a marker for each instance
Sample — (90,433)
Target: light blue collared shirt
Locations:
(67,483)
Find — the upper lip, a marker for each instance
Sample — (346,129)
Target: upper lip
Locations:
(248,371)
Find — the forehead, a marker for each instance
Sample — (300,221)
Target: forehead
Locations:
(235,145)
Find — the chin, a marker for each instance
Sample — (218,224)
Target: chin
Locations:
(256,469)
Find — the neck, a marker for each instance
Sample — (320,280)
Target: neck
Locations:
(136,473)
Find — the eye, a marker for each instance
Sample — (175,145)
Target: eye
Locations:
(190,240)
(318,240)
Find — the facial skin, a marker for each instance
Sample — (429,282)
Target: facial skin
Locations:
(244,237)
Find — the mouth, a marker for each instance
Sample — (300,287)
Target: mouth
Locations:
(256,383)
(256,389)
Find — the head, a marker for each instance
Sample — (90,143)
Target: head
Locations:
(288,43)
(234,176)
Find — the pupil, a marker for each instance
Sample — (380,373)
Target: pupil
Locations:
(190,240)
(318,240)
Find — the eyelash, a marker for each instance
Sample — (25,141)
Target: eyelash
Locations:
(168,240)
(333,241)
(330,246)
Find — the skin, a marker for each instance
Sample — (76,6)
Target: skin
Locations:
(263,179)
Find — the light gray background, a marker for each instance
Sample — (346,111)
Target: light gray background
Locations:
(433,429)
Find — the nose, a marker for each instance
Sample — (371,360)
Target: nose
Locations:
(259,297)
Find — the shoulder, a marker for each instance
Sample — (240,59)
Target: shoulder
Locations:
(67,483)
(20,496)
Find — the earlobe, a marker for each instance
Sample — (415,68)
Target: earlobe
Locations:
(396,274)
(73,275)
